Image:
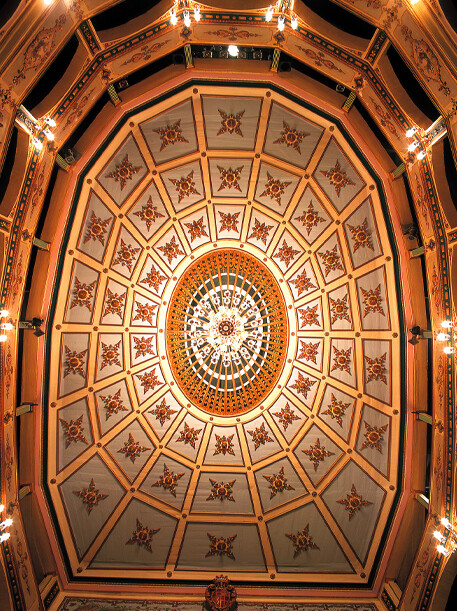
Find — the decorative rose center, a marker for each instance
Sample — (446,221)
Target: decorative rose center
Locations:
(376,369)
(226,328)
(143,535)
(231,123)
(221,546)
(126,255)
(354,503)
(73,430)
(123,171)
(168,480)
(112,404)
(361,236)
(171,134)
(73,362)
(337,177)
(342,360)
(372,301)
(339,308)
(230,177)
(96,229)
(274,188)
(82,294)
(91,498)
(221,491)
(336,410)
(291,137)
(373,436)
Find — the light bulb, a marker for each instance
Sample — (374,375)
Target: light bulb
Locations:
(48,2)
(446,324)
(38,144)
(448,350)
(5,313)
(2,507)
(413,145)
(173,18)
(269,15)
(6,326)
(4,537)
(6,523)
(3,338)
(411,131)
(294,22)
(233,50)
(443,337)
(49,135)
(50,122)
(281,22)
(442,550)
(197,15)
(445,522)
(186,16)
(421,155)
(438,536)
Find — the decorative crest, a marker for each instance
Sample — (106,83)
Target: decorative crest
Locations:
(220,595)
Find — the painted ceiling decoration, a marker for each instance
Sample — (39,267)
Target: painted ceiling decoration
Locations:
(224,386)
(226,333)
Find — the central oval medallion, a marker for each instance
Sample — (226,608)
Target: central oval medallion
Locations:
(226,332)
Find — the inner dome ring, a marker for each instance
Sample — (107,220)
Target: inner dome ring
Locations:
(227,332)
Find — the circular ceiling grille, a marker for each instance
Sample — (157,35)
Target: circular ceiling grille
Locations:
(227,332)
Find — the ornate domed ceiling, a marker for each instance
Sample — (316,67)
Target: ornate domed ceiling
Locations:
(226,375)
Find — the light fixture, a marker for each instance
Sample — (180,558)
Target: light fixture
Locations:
(294,22)
(421,155)
(445,522)
(173,17)
(449,350)
(442,550)
(38,144)
(269,15)
(197,15)
(186,16)
(446,324)
(281,22)
(49,135)
(3,338)
(6,326)
(6,523)
(447,543)
(48,2)
(411,131)
(413,146)
(50,122)
(439,536)
(2,507)
(233,50)
(5,313)
(443,337)
(4,537)
(413,2)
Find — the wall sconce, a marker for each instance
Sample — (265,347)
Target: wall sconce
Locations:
(35,324)
(4,525)
(447,544)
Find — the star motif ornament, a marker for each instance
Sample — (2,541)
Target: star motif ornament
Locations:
(142,536)
(339,309)
(286,416)
(230,178)
(372,301)
(126,255)
(149,380)
(376,369)
(132,449)
(337,178)
(302,283)
(221,490)
(221,546)
(303,385)
(229,221)
(277,483)
(342,360)
(124,172)
(291,137)
(168,480)
(353,502)
(308,351)
(310,218)
(74,362)
(260,231)
(309,316)
(196,229)
(185,186)
(274,188)
(162,412)
(170,134)
(144,312)
(224,445)
(110,355)
(230,123)
(90,496)
(373,436)
(96,229)
(336,410)
(113,404)
(73,431)
(154,279)
(82,294)
(331,260)
(115,303)
(189,435)
(317,453)
(302,541)
(286,254)
(260,436)
(148,213)
(361,236)
(171,250)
